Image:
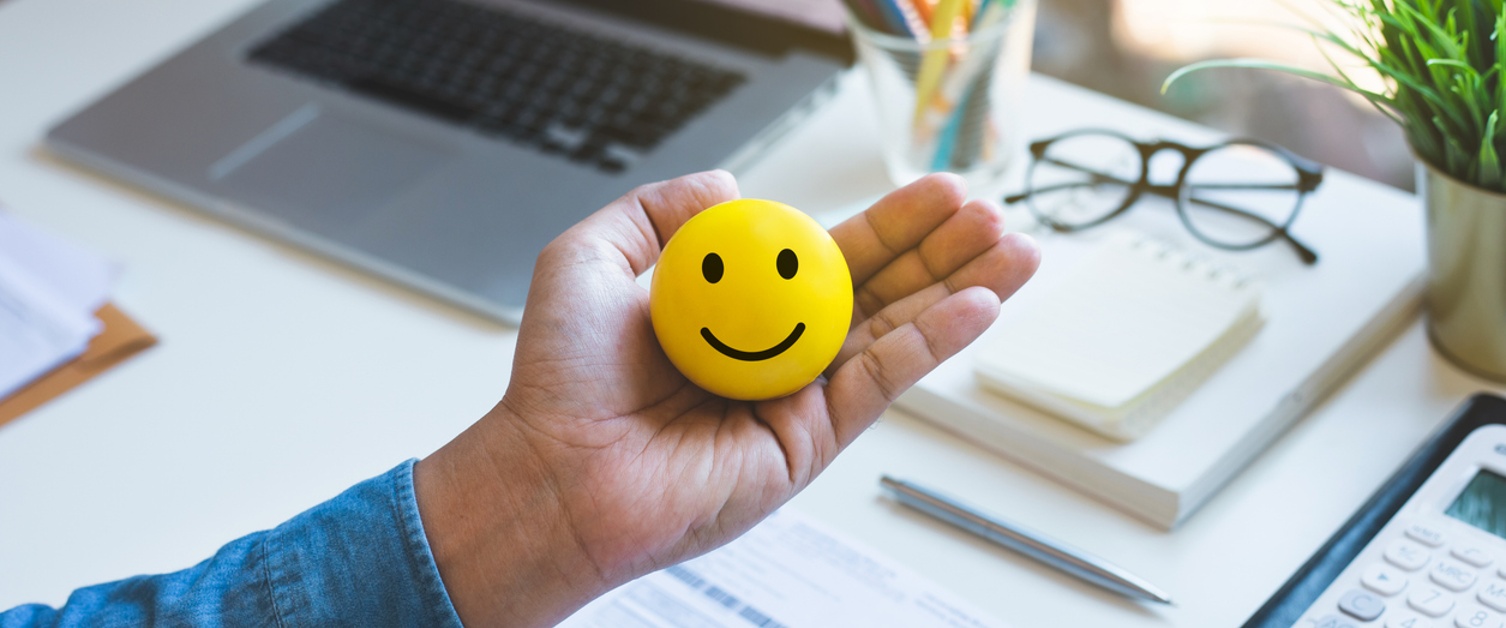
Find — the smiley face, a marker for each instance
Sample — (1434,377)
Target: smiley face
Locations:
(751,299)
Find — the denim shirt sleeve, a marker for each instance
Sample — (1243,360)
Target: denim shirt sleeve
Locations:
(360,559)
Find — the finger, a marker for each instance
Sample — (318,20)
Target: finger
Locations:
(965,235)
(639,223)
(865,385)
(1002,269)
(897,222)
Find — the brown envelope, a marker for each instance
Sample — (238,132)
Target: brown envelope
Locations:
(120,339)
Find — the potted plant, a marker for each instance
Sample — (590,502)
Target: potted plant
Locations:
(1441,62)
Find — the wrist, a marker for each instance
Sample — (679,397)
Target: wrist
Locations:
(500,534)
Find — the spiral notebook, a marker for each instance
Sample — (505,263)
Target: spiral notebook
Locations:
(1124,337)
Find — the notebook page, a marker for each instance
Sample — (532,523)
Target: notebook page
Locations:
(1121,323)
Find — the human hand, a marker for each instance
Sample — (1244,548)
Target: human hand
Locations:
(603,463)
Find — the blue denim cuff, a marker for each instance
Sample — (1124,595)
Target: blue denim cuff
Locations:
(358,559)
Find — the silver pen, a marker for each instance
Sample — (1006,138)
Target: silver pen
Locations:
(1049,551)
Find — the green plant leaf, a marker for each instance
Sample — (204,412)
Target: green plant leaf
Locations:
(1499,34)
(1261,64)
(1444,65)
(1454,63)
(1489,166)
(1379,101)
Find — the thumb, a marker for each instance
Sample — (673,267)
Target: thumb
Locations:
(638,224)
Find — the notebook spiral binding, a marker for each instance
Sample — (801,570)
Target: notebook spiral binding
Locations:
(1190,261)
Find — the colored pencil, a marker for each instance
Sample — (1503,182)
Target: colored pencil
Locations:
(933,64)
(909,10)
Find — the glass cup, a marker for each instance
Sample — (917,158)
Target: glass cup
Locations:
(951,104)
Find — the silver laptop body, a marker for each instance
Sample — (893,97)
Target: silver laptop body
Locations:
(431,202)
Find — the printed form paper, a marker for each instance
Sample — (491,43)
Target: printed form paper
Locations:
(788,571)
(48,293)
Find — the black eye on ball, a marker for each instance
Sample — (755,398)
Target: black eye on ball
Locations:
(711,267)
(787,263)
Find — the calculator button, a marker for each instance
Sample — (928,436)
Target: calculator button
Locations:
(1425,535)
(1407,620)
(1384,580)
(1493,594)
(1431,601)
(1451,575)
(1407,555)
(1331,621)
(1361,605)
(1472,555)
(1476,616)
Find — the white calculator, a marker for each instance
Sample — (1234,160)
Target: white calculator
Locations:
(1427,551)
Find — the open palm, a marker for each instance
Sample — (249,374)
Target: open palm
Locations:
(646,468)
(667,470)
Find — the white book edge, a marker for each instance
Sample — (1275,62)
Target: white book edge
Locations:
(1380,331)
(1154,504)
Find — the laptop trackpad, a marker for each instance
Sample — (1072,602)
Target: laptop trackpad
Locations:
(323,172)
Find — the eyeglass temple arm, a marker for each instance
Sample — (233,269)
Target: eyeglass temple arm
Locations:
(1098,177)
(1160,190)
(1306,253)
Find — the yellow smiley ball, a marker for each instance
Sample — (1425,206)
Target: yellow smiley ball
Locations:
(751,299)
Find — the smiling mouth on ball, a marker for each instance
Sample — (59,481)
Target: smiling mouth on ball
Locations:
(753,356)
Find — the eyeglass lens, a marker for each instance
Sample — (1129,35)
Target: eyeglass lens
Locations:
(1082,179)
(1236,195)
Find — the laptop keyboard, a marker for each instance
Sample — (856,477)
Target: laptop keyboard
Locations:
(587,98)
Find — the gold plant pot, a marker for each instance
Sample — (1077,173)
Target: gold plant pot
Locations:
(1466,293)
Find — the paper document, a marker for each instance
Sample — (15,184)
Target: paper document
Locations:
(788,571)
(78,277)
(48,293)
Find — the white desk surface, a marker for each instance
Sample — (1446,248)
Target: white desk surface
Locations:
(281,379)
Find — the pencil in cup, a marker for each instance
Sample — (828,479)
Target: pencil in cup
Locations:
(936,59)
(942,102)
(959,109)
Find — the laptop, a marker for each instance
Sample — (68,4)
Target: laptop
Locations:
(443,143)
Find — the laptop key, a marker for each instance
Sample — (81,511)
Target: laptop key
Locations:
(414,99)
(508,75)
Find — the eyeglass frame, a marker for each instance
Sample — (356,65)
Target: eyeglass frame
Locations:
(1309,176)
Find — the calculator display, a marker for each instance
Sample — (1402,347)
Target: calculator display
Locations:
(1482,504)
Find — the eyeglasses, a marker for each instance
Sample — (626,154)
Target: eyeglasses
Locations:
(1237,195)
